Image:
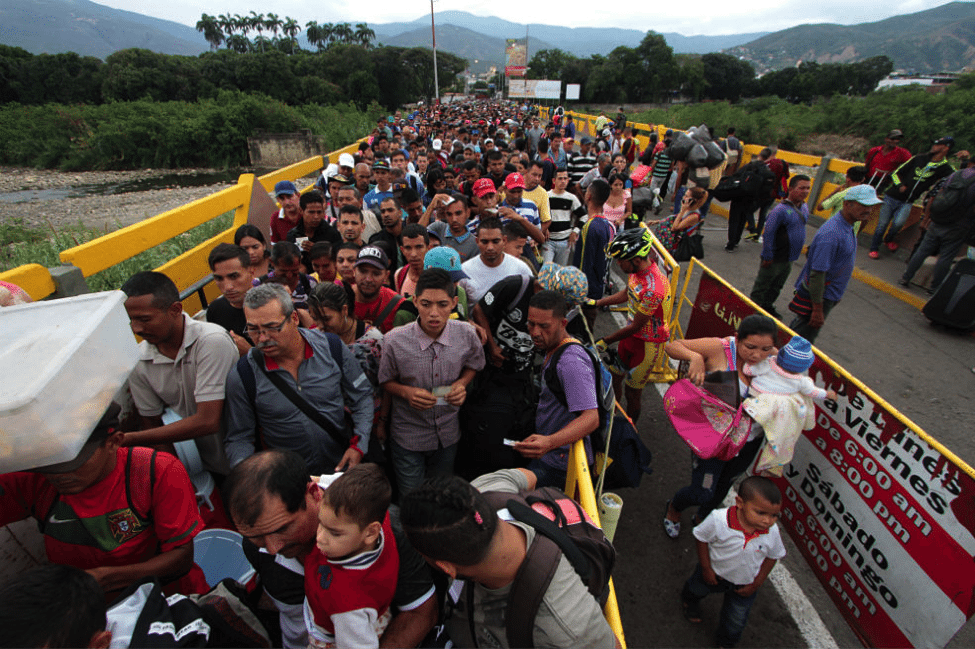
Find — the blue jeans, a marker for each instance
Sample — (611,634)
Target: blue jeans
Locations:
(734,610)
(411,467)
(711,480)
(891,210)
(547,475)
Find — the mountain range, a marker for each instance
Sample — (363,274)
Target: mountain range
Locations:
(935,40)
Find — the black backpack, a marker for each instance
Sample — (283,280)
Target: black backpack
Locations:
(751,181)
(562,527)
(952,203)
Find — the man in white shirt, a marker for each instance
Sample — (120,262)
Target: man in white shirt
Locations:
(492,264)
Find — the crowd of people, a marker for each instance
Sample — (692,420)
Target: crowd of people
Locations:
(370,370)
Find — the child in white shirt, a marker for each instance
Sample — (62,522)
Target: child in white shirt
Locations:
(737,547)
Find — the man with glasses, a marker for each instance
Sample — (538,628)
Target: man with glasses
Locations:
(303,359)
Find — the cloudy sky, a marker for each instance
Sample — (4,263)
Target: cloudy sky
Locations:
(701,17)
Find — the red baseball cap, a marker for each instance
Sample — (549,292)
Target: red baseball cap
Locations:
(483,187)
(514,181)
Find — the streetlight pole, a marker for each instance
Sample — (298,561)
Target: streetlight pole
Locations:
(436,79)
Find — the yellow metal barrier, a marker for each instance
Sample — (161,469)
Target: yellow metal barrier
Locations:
(33,278)
(578,485)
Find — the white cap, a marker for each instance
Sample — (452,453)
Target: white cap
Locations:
(437,145)
(346,160)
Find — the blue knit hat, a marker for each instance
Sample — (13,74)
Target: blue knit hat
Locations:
(796,356)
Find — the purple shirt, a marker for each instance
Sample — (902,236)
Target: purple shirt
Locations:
(575,373)
(832,251)
(785,232)
(413,358)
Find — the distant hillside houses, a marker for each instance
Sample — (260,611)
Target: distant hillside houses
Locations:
(933,83)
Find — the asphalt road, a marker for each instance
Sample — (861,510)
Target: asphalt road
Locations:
(924,371)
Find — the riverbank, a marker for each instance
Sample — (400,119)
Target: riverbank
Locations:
(100,200)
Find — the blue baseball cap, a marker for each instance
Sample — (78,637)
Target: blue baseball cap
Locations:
(447,259)
(285,188)
(862,194)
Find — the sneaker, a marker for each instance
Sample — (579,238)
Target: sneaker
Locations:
(729,248)
(670,527)
(892,246)
(903,282)
(874,254)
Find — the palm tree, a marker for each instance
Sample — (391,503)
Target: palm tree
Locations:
(328,34)
(363,35)
(313,32)
(243,24)
(256,22)
(343,33)
(273,23)
(210,28)
(227,24)
(238,43)
(291,28)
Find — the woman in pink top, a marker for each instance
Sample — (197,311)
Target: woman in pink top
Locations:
(619,205)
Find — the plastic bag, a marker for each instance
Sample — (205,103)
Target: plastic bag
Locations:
(681,146)
(697,156)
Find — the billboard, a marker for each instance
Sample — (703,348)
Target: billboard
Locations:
(534,89)
(571,91)
(882,514)
(515,57)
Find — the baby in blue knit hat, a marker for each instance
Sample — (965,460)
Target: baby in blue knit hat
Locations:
(780,399)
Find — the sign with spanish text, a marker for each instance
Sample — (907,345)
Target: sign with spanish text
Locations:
(534,88)
(515,57)
(884,518)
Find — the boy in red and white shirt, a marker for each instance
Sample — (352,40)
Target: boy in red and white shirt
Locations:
(350,576)
(737,547)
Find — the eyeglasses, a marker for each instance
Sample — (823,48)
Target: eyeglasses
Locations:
(254,331)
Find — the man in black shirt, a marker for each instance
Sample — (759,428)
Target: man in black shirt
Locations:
(232,274)
(313,227)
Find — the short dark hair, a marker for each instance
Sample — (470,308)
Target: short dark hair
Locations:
(226,252)
(600,190)
(469,164)
(397,153)
(351,209)
(756,324)
(549,301)
(765,153)
(731,130)
(514,230)
(284,251)
(51,606)
(252,231)
(761,486)
(391,198)
(798,178)
(446,519)
(489,223)
(149,282)
(435,278)
(314,196)
(413,230)
(362,493)
(857,173)
(408,196)
(321,249)
(348,245)
(494,154)
(537,163)
(282,474)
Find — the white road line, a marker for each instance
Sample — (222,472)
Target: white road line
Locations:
(810,625)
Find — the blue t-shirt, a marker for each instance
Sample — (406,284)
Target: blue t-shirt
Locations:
(575,373)
(785,244)
(832,251)
(374,197)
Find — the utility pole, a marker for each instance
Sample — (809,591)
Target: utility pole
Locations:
(436,79)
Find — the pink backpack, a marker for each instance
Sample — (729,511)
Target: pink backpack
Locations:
(711,427)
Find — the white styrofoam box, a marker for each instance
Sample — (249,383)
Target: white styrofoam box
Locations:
(61,362)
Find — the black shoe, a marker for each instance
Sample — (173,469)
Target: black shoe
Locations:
(903,282)
(775,314)
(729,248)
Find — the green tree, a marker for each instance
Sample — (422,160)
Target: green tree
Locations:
(364,35)
(210,28)
(661,74)
(727,76)
(692,76)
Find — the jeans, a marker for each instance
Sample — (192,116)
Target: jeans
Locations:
(891,210)
(547,475)
(769,283)
(712,479)
(800,324)
(557,251)
(412,467)
(946,240)
(734,610)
